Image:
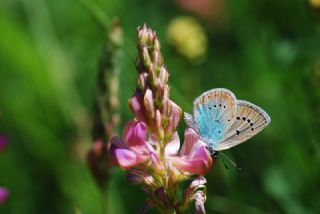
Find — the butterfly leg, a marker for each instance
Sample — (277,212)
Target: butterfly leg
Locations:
(214,154)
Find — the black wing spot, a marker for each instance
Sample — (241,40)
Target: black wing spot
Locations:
(210,108)
(219,131)
(243,118)
(238,118)
(224,106)
(215,106)
(237,132)
(251,124)
(228,120)
(248,120)
(252,129)
(220,105)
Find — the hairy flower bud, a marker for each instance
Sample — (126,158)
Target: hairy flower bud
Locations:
(142,81)
(156,58)
(143,34)
(156,44)
(159,125)
(174,118)
(149,104)
(146,57)
(200,199)
(163,75)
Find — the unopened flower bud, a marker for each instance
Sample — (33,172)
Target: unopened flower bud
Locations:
(156,58)
(149,104)
(158,124)
(152,36)
(196,192)
(175,115)
(135,176)
(142,81)
(159,94)
(163,75)
(200,199)
(143,34)
(137,106)
(146,57)
(156,45)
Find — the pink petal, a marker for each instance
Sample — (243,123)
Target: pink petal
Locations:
(126,158)
(190,138)
(198,161)
(116,143)
(194,166)
(172,147)
(200,153)
(135,136)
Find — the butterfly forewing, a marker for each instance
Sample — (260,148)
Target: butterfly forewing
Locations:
(214,112)
(249,121)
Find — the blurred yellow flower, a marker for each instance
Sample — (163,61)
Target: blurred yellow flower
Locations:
(188,37)
(315,3)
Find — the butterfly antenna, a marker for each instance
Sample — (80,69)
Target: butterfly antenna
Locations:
(232,162)
(224,163)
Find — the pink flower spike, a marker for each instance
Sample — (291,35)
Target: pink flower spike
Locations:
(135,136)
(3,143)
(4,194)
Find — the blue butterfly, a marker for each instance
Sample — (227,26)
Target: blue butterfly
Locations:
(223,122)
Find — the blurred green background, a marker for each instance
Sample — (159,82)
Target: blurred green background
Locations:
(267,52)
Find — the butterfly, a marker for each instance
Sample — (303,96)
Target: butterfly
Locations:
(223,122)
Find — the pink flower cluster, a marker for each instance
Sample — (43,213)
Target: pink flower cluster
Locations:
(135,150)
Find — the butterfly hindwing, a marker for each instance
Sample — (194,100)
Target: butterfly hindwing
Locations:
(214,113)
(249,121)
